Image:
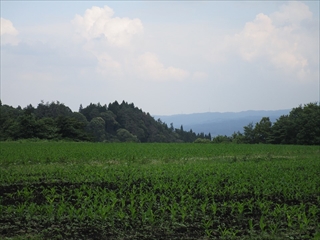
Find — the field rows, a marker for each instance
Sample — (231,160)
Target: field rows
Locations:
(159,191)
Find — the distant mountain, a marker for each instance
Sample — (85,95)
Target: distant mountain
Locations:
(218,123)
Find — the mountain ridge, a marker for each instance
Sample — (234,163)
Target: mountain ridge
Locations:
(220,123)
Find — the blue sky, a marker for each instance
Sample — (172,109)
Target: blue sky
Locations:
(165,57)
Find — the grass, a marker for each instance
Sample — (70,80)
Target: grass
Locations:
(55,190)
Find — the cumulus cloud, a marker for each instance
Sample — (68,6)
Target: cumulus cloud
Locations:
(108,37)
(99,22)
(291,14)
(255,35)
(148,66)
(277,38)
(8,33)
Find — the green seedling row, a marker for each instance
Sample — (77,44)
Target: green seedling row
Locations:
(54,190)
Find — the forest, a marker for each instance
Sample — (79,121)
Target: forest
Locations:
(126,123)
(96,123)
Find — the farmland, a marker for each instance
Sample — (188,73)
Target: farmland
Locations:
(69,190)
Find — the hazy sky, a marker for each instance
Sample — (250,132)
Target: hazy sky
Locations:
(165,57)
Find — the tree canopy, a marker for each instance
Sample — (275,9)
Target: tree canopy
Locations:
(301,126)
(101,123)
(124,122)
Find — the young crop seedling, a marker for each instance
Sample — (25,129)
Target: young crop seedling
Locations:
(93,193)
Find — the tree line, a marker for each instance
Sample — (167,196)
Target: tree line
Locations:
(126,123)
(97,123)
(301,126)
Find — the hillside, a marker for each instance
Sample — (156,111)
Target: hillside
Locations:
(113,123)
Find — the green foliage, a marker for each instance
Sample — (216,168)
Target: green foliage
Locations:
(249,133)
(52,110)
(202,140)
(97,128)
(221,139)
(70,128)
(48,129)
(263,130)
(139,126)
(8,115)
(55,121)
(238,137)
(125,136)
(92,111)
(301,126)
(282,131)
(56,190)
(111,125)
(80,117)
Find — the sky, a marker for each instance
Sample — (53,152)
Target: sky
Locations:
(166,57)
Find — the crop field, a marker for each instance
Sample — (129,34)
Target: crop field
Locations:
(68,190)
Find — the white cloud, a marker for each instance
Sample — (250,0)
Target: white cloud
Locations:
(8,33)
(141,52)
(98,22)
(148,66)
(108,39)
(292,14)
(7,27)
(277,38)
(255,35)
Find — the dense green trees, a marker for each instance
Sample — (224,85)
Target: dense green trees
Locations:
(258,133)
(301,126)
(47,121)
(125,136)
(125,122)
(117,122)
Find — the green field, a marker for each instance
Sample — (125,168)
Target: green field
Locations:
(67,190)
